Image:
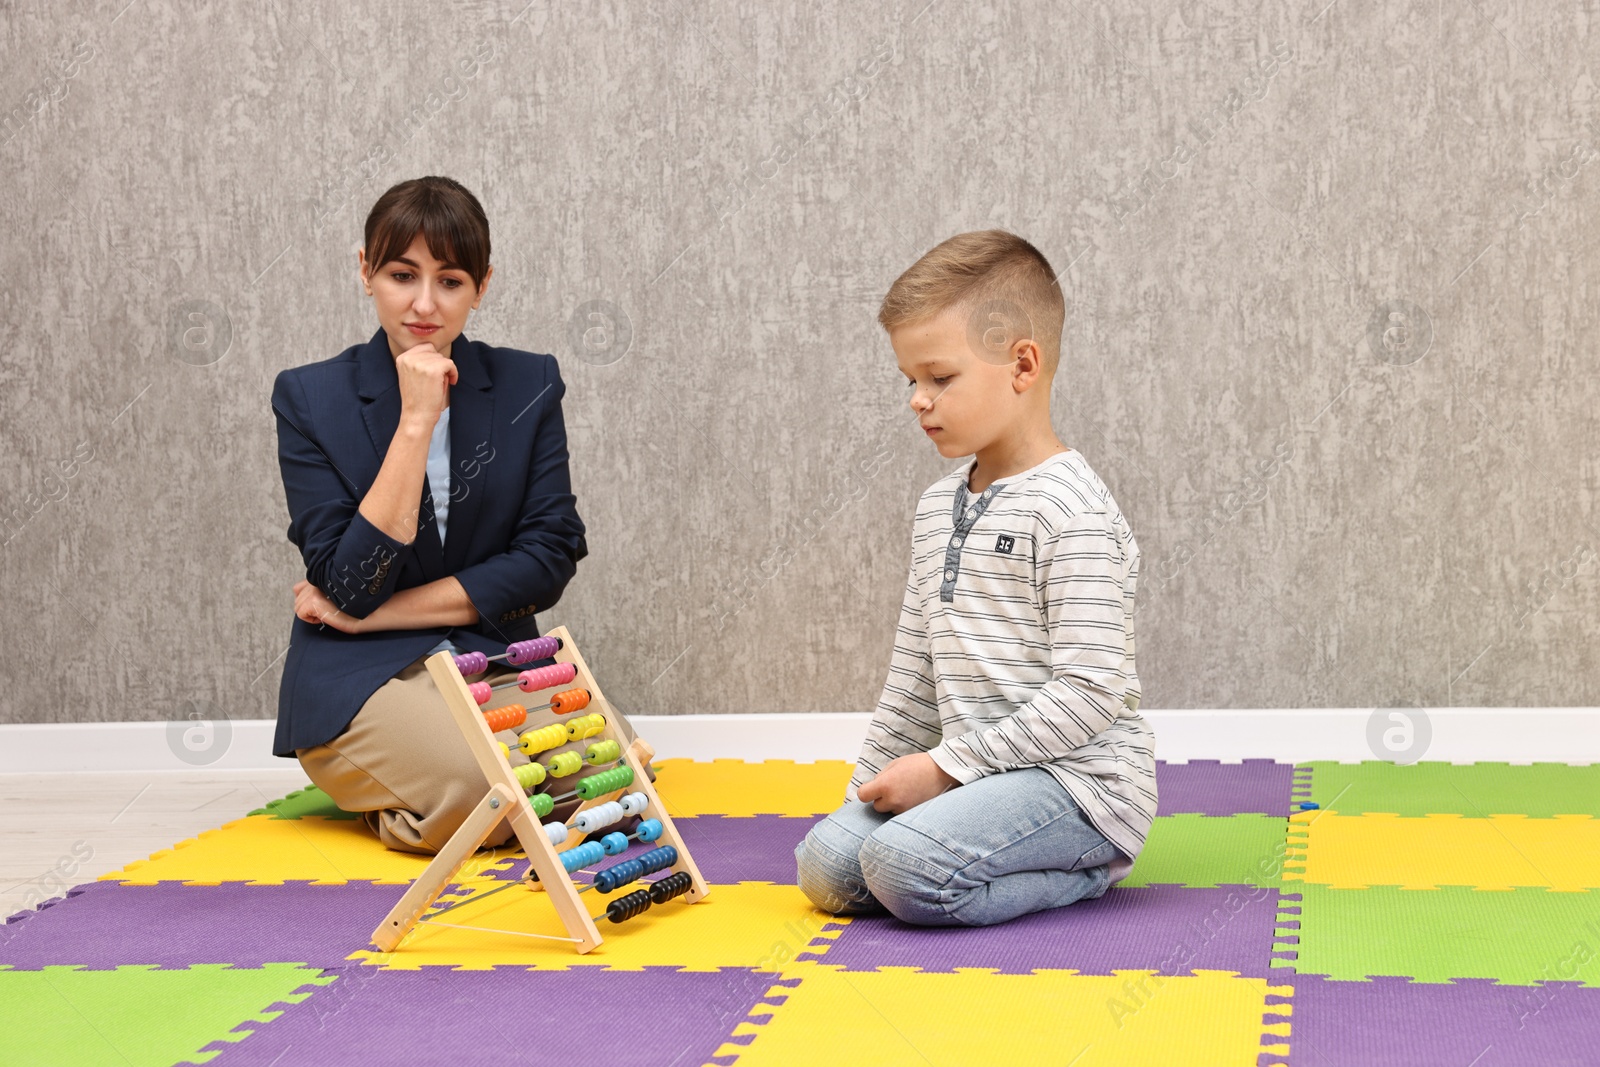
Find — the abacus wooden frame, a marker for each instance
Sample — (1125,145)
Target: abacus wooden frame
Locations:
(505,800)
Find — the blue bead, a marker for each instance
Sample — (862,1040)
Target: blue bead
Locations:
(614,843)
(618,875)
(584,855)
(649,830)
(1307,805)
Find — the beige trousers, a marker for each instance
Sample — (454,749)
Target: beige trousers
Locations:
(404,766)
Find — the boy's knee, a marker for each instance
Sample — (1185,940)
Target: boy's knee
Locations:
(903,880)
(829,878)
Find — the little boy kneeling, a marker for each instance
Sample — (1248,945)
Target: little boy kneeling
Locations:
(1007,768)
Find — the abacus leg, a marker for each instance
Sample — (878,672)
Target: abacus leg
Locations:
(491,810)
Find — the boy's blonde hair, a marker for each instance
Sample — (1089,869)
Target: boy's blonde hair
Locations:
(1004,282)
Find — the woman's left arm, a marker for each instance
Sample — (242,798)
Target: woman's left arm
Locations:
(440,603)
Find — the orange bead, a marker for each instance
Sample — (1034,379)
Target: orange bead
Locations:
(570,701)
(506,717)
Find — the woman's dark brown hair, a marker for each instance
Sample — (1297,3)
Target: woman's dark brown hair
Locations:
(449,218)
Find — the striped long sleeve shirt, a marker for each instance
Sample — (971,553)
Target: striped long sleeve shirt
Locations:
(1015,645)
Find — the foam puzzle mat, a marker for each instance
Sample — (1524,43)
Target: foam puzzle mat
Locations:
(1308,915)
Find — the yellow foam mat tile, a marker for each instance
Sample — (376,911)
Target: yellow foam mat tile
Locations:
(751,925)
(262,850)
(734,787)
(1498,852)
(901,1016)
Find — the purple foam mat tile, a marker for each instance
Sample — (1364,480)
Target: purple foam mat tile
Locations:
(11,924)
(1168,929)
(106,925)
(1210,787)
(755,848)
(1392,1021)
(727,849)
(441,1016)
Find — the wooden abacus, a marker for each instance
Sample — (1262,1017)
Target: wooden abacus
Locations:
(507,799)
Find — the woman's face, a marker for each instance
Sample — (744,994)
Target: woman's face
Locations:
(419,299)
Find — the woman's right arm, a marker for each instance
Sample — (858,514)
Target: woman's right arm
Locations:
(393,502)
(350,546)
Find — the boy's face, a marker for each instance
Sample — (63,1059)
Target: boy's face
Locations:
(963,403)
(416,290)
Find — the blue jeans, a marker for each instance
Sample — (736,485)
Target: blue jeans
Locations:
(1002,846)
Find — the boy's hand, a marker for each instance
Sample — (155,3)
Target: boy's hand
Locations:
(904,783)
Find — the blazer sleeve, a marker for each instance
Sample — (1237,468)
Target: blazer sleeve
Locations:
(346,556)
(548,539)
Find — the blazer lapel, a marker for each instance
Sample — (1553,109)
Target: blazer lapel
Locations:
(380,410)
(471,448)
(380,392)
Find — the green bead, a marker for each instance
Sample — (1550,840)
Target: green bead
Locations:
(565,763)
(605,782)
(541,804)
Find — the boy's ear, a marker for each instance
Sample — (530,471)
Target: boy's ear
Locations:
(1027,365)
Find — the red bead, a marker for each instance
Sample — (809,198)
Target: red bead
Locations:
(546,677)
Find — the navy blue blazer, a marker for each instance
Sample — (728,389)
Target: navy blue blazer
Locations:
(514,539)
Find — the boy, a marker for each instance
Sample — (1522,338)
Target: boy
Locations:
(1007,769)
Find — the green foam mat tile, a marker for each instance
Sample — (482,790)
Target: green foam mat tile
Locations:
(1472,789)
(1204,851)
(1518,936)
(304,803)
(138,1016)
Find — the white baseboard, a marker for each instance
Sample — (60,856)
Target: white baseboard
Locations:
(1515,735)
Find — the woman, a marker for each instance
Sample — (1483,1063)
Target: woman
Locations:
(428,492)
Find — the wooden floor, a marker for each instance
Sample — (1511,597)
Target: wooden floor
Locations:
(58,830)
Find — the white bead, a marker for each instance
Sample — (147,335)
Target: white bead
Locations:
(592,819)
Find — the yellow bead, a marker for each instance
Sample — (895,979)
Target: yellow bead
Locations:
(585,726)
(543,738)
(530,774)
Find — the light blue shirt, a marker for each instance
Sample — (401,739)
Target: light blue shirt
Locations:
(439,483)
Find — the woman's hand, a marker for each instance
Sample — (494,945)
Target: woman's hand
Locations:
(425,381)
(313,605)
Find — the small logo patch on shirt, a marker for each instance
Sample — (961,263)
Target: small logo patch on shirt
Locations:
(1005,543)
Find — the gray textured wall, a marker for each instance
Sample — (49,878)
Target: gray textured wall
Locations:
(1336,506)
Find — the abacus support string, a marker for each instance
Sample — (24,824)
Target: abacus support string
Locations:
(480,896)
(492,930)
